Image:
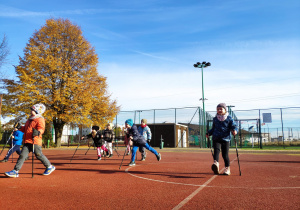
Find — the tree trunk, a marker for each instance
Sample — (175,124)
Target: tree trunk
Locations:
(58,127)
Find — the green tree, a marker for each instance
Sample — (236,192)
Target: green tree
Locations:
(59,69)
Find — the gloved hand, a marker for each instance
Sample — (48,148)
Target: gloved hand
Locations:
(35,133)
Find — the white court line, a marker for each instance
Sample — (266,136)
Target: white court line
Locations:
(187,199)
(201,187)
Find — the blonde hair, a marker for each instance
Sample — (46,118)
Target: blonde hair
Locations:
(111,125)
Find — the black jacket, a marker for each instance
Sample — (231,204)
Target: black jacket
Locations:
(108,135)
(98,141)
(138,139)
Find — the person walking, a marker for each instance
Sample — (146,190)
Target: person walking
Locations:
(223,126)
(33,131)
(97,137)
(17,137)
(138,141)
(145,131)
(109,136)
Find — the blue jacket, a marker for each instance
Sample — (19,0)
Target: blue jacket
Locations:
(146,132)
(18,137)
(138,139)
(222,129)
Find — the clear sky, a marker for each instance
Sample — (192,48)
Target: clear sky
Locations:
(147,48)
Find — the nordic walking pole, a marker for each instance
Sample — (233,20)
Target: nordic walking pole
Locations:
(12,154)
(208,140)
(32,155)
(104,153)
(6,143)
(237,154)
(116,150)
(75,151)
(35,133)
(87,150)
(123,157)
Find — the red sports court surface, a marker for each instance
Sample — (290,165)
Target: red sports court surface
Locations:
(181,180)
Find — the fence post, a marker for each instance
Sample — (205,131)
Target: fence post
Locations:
(200,138)
(175,115)
(282,128)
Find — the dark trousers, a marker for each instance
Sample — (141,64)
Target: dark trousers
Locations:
(219,145)
(15,148)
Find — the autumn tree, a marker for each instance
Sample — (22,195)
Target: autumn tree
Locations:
(4,50)
(59,69)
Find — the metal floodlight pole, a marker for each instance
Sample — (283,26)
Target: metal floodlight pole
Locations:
(203,65)
(203,101)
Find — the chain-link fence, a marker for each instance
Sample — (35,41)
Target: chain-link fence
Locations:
(258,128)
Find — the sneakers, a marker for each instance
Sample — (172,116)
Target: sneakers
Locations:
(143,158)
(4,160)
(110,155)
(227,171)
(131,164)
(49,170)
(128,151)
(12,173)
(158,157)
(99,158)
(215,167)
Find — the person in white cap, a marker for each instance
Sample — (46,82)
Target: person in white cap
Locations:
(33,130)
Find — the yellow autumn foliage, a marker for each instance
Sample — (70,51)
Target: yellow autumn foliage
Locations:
(59,69)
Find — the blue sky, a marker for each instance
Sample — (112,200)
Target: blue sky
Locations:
(147,48)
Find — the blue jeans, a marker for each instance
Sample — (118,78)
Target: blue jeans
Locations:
(15,148)
(135,148)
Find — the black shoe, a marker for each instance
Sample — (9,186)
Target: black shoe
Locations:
(158,157)
(143,158)
(111,155)
(4,160)
(99,158)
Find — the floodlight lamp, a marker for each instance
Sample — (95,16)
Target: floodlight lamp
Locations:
(208,64)
(198,63)
(195,65)
(203,62)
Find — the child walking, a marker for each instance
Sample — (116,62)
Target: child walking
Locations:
(138,141)
(96,135)
(17,137)
(223,124)
(109,136)
(33,130)
(145,131)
